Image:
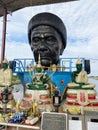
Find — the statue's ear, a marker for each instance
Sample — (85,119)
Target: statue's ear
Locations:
(61,51)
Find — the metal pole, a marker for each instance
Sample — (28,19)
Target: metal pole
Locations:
(3,34)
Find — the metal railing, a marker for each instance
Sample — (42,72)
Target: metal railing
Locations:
(66,64)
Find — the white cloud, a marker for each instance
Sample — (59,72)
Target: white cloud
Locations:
(18,50)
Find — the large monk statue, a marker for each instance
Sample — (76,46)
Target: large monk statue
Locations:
(47,37)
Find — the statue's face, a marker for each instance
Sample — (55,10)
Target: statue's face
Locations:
(79,67)
(5,65)
(46,41)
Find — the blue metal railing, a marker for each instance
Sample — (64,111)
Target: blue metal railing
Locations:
(23,63)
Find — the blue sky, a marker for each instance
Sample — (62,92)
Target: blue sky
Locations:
(80,18)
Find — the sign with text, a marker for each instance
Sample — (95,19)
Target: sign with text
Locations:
(54,121)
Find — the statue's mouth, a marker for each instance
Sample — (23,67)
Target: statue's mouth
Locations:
(45,58)
(46,61)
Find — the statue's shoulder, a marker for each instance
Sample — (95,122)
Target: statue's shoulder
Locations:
(83,72)
(8,71)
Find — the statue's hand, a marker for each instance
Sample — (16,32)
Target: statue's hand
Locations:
(47,86)
(36,86)
(27,85)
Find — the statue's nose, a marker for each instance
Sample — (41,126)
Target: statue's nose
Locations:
(42,48)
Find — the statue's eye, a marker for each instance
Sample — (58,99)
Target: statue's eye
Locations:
(36,39)
(51,39)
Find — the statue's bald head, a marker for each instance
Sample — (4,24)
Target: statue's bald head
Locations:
(46,22)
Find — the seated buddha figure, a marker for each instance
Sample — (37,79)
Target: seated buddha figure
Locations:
(5,74)
(5,85)
(80,77)
(40,84)
(40,90)
(80,95)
